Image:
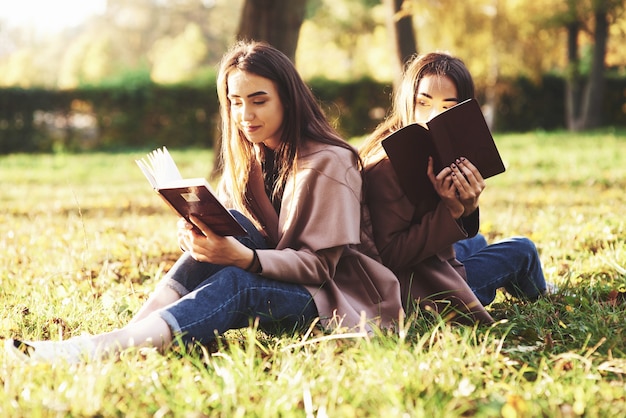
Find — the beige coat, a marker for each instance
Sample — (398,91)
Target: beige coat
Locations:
(318,240)
(418,246)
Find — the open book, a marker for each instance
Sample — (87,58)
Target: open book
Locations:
(460,131)
(188,196)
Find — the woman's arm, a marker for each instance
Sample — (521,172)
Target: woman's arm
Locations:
(302,266)
(320,216)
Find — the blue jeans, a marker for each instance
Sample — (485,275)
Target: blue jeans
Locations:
(217,298)
(512,263)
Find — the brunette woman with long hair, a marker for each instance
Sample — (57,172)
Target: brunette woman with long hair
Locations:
(297,188)
(441,260)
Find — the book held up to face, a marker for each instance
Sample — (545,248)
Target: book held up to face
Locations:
(187,197)
(460,131)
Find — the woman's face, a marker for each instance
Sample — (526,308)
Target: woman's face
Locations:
(256,108)
(434,94)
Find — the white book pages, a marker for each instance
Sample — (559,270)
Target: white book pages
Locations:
(159,168)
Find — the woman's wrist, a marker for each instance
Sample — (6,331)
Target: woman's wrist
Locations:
(255,263)
(468,212)
(456,212)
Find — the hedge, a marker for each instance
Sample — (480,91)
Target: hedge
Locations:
(149,115)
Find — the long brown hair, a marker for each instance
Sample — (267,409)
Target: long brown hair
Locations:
(303,118)
(403,110)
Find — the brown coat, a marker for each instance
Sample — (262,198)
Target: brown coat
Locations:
(418,246)
(318,238)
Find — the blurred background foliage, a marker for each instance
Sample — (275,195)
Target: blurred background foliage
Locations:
(142,73)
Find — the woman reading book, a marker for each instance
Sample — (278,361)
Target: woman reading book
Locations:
(435,250)
(296,187)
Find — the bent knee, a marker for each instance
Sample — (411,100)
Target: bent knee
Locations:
(524,244)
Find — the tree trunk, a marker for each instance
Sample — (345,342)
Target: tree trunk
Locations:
(400,29)
(277,22)
(574,83)
(583,101)
(595,95)
(493,73)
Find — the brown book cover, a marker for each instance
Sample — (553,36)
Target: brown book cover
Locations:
(460,131)
(188,196)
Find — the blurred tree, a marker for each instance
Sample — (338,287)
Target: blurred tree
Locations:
(277,22)
(98,63)
(119,41)
(339,39)
(179,58)
(400,27)
(18,70)
(92,56)
(524,38)
(585,86)
(344,40)
(216,20)
(495,38)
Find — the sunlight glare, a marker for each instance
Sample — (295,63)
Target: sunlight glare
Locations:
(50,16)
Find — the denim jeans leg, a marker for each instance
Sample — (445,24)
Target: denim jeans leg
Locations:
(466,247)
(512,263)
(233,298)
(254,239)
(187,273)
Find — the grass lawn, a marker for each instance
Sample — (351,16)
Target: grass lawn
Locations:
(83,241)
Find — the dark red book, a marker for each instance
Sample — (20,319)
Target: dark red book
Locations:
(188,196)
(460,131)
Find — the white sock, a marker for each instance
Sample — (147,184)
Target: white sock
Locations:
(74,350)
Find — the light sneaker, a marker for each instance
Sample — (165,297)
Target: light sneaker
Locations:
(74,350)
(551,288)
